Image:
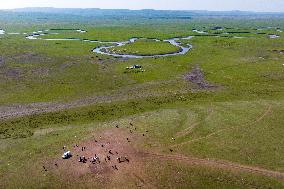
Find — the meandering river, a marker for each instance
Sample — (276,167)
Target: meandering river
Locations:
(106,45)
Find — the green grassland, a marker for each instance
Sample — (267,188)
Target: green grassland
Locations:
(146,47)
(235,144)
(240,121)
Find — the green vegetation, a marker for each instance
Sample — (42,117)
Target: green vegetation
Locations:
(238,121)
(146,47)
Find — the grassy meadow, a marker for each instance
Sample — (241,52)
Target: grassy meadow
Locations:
(239,121)
(146,47)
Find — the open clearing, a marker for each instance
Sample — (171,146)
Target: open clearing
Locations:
(163,100)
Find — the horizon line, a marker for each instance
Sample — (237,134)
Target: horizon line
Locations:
(252,11)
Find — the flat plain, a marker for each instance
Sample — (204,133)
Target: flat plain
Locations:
(211,118)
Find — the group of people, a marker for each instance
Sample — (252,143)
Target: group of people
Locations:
(83,159)
(96,159)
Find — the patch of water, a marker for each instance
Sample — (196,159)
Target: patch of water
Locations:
(238,37)
(105,49)
(174,41)
(273,36)
(200,32)
(71,39)
(31,37)
(81,31)
(14,33)
(2,32)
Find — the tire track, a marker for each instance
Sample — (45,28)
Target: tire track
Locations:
(221,164)
(194,125)
(226,129)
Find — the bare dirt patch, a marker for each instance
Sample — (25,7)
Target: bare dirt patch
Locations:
(116,159)
(197,77)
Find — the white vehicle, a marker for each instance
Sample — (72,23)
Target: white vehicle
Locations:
(134,67)
(67,155)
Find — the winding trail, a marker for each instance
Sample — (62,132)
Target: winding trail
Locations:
(13,111)
(122,95)
(221,164)
(267,111)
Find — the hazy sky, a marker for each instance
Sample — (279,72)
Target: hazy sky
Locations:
(253,5)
